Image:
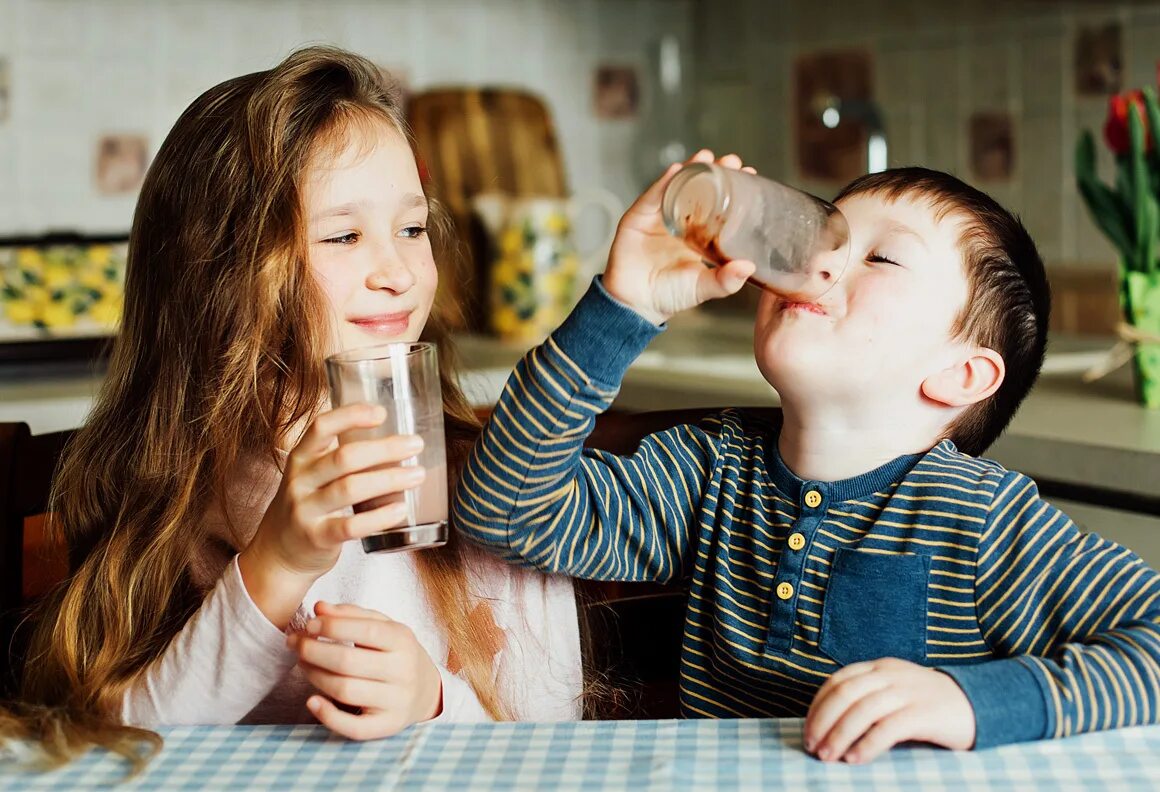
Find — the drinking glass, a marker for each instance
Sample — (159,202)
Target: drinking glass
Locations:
(799,243)
(404,379)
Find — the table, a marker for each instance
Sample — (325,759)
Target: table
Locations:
(638,755)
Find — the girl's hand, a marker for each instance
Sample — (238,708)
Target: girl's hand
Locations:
(368,663)
(301,534)
(657,274)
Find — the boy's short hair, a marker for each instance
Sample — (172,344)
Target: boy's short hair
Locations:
(1008,299)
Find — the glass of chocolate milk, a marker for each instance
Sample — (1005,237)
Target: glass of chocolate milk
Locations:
(799,243)
(404,379)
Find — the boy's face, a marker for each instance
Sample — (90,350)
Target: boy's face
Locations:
(885,326)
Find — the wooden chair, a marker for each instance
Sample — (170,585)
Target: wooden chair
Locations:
(27,465)
(636,629)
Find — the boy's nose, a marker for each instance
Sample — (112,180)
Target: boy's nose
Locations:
(825,269)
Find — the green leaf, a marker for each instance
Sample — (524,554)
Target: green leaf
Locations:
(1085,157)
(1152,108)
(1151,215)
(1141,189)
(1108,214)
(1106,207)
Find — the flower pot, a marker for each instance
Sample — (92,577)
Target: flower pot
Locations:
(1140,294)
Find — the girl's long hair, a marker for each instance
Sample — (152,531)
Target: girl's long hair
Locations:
(220,353)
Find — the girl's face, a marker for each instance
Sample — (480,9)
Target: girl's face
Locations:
(366,218)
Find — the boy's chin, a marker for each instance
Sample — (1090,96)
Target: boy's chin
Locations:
(813,379)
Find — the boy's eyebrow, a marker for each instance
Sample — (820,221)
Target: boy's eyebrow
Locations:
(899,228)
(408,201)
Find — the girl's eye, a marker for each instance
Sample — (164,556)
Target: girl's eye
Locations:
(414,232)
(877,258)
(344,239)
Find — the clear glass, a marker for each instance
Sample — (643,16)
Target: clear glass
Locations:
(404,379)
(800,243)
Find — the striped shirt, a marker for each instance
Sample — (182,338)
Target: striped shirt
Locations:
(940,558)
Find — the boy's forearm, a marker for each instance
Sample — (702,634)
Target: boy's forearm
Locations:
(525,491)
(1075,619)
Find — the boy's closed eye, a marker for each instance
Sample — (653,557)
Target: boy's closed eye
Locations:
(878,258)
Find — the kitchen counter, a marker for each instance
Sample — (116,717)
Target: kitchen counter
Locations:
(1067,430)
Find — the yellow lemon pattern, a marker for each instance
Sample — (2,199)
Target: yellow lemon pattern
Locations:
(60,290)
(533,278)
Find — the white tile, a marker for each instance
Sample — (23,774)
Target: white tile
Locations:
(901,145)
(622,27)
(989,85)
(386,31)
(1044,75)
(59,166)
(1141,42)
(55,27)
(190,30)
(518,42)
(327,23)
(263,33)
(9,218)
(125,30)
(10,11)
(896,79)
(7,162)
(575,21)
(1040,168)
(49,94)
(122,95)
(453,43)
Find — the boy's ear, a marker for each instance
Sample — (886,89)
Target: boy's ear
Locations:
(975,377)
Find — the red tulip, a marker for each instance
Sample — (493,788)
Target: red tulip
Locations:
(1116,127)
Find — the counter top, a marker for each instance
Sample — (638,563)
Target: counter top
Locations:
(1067,430)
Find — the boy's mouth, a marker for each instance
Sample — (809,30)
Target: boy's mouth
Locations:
(807,307)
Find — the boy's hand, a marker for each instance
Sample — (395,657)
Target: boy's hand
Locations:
(370,664)
(657,274)
(867,708)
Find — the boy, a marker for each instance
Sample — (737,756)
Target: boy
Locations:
(855,564)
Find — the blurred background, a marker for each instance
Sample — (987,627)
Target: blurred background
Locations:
(994,92)
(541,119)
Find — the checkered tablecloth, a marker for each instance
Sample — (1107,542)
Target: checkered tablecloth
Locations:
(637,755)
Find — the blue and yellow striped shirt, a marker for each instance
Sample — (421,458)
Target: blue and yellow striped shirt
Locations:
(940,558)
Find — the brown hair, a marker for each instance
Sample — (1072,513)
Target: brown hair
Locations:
(1008,298)
(219,354)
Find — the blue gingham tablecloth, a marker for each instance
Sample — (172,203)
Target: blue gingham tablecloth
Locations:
(637,755)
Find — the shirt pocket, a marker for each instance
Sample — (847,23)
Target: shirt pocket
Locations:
(875,607)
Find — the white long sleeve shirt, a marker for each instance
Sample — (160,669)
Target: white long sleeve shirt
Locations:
(230,664)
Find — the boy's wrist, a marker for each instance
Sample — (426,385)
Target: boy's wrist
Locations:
(623,295)
(1007,700)
(602,336)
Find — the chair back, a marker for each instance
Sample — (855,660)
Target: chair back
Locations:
(636,629)
(28,463)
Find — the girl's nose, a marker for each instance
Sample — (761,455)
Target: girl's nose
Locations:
(390,274)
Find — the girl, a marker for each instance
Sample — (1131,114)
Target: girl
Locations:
(283,220)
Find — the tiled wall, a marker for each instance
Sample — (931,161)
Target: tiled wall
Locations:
(935,65)
(83,68)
